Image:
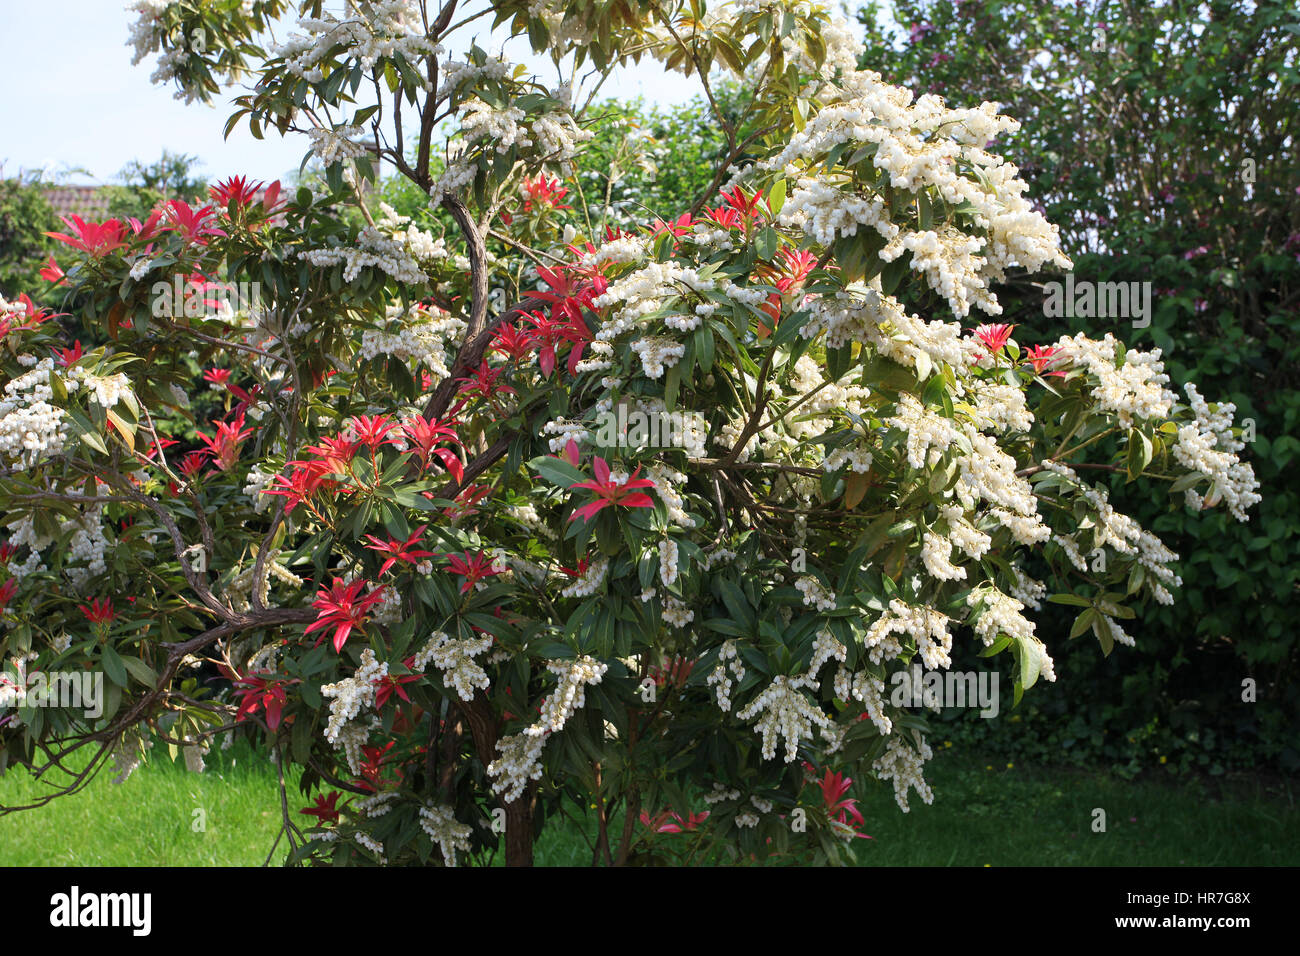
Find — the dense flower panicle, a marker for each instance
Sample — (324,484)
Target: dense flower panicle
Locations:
(455,658)
(784,711)
(440,823)
(904,766)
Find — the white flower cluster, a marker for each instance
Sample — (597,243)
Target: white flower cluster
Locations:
(128,753)
(657,353)
(350,695)
(421,334)
(527,516)
(88,546)
(376,248)
(380,29)
(868,689)
(371,844)
(520,762)
(786,713)
(590,581)
(376,805)
(1000,615)
(255,482)
(569,694)
(666,481)
(858,459)
(335,144)
(989,473)
(928,435)
(825,648)
(815,594)
(921,146)
(668,561)
(720,793)
(521,753)
(863,314)
(928,627)
(1027,590)
(455,658)
(904,766)
(1122,533)
(458,73)
(563,431)
(825,212)
(718,679)
(997,405)
(30,427)
(1117,632)
(936,554)
(106,390)
(676,612)
(552,137)
(445,830)
(1136,389)
(146,37)
(1209,447)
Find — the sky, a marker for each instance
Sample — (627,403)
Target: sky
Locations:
(74,101)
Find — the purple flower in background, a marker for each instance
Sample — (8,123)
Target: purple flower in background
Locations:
(918,31)
(939,58)
(1198,251)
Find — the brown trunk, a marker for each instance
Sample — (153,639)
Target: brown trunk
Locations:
(519,814)
(519,830)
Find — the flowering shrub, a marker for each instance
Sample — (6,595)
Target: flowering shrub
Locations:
(1223,312)
(397,533)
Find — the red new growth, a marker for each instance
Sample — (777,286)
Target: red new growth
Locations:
(994,337)
(99,611)
(610,492)
(343,608)
(325,809)
(403,551)
(95,238)
(842,811)
(474,568)
(1042,357)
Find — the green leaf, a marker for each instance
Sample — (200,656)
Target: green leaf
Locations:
(704,347)
(776,197)
(113,666)
(140,671)
(557,471)
(1082,622)
(1072,599)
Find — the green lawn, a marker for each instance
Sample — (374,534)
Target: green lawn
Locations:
(984,814)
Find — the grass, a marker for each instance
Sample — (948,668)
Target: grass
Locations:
(983,814)
(151,819)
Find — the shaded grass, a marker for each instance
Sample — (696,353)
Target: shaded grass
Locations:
(982,815)
(1001,815)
